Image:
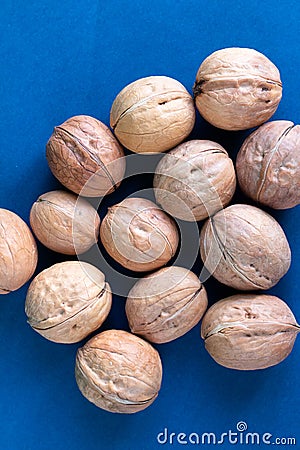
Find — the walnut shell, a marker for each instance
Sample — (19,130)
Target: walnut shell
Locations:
(245,248)
(64,222)
(237,88)
(152,114)
(194,180)
(166,304)
(139,235)
(249,331)
(118,372)
(18,252)
(68,301)
(268,165)
(85,157)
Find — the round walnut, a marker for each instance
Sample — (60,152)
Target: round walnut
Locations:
(195,180)
(152,114)
(245,248)
(118,372)
(268,165)
(68,301)
(85,157)
(139,235)
(64,222)
(18,252)
(166,304)
(249,332)
(237,88)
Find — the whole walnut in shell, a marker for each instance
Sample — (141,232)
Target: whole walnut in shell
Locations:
(166,304)
(249,332)
(68,301)
(245,248)
(268,165)
(152,114)
(139,235)
(85,157)
(194,180)
(237,88)
(64,222)
(18,252)
(118,372)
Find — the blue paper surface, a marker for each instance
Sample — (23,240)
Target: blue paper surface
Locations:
(60,59)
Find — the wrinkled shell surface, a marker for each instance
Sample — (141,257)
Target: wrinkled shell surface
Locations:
(166,304)
(245,248)
(249,332)
(85,157)
(237,88)
(268,165)
(64,222)
(152,114)
(118,372)
(139,235)
(67,301)
(18,252)
(194,180)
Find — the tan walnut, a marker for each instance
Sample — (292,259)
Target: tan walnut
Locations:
(18,252)
(85,157)
(194,180)
(152,114)
(245,248)
(249,331)
(64,222)
(166,304)
(237,88)
(139,235)
(268,165)
(68,301)
(118,372)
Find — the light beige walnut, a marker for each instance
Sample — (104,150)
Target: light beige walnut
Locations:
(268,165)
(249,332)
(18,252)
(85,157)
(237,88)
(166,304)
(152,114)
(118,372)
(139,235)
(194,180)
(64,222)
(68,301)
(245,248)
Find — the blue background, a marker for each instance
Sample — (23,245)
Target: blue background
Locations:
(64,58)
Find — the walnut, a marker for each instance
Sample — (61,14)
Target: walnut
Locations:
(118,372)
(245,248)
(237,88)
(152,114)
(268,165)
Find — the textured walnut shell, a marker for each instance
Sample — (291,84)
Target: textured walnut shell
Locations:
(237,88)
(18,252)
(245,248)
(194,180)
(64,222)
(152,114)
(139,235)
(268,165)
(166,304)
(249,332)
(85,157)
(118,372)
(67,301)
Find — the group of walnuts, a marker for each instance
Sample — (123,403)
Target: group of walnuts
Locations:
(241,245)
